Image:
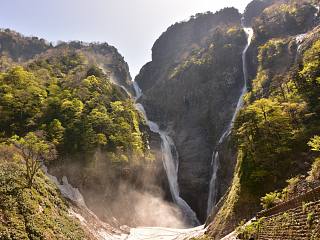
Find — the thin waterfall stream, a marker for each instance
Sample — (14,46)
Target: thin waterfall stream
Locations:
(171,165)
(212,197)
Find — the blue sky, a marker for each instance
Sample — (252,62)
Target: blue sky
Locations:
(132,26)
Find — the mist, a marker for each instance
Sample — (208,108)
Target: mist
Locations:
(139,208)
(119,195)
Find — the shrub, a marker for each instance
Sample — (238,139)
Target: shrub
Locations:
(270,200)
(250,230)
(314,173)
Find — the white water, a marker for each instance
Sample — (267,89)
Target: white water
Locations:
(299,40)
(171,165)
(137,90)
(212,197)
(170,161)
(102,231)
(318,10)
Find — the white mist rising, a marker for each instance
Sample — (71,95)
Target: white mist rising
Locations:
(147,209)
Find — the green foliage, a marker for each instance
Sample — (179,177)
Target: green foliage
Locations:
(74,103)
(55,132)
(271,52)
(263,133)
(37,213)
(314,173)
(270,200)
(309,75)
(64,95)
(282,19)
(34,152)
(250,230)
(281,110)
(21,99)
(281,113)
(314,143)
(310,218)
(220,48)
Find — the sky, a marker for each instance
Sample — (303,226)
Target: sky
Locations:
(132,26)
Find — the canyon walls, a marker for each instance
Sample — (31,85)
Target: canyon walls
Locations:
(191,88)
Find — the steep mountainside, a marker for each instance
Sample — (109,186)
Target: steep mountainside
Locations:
(191,88)
(37,213)
(281,111)
(15,47)
(70,107)
(66,94)
(19,48)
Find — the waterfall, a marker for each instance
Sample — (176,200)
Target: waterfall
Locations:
(170,163)
(215,155)
(137,90)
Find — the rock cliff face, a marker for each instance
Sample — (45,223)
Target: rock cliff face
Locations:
(190,88)
(283,33)
(20,48)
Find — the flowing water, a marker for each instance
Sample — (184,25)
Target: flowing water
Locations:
(171,165)
(212,197)
(137,90)
(102,231)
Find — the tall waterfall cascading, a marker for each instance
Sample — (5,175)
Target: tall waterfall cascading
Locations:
(171,165)
(212,197)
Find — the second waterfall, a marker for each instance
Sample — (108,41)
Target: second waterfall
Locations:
(212,197)
(170,162)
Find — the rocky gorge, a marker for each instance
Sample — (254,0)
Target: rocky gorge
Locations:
(222,115)
(192,101)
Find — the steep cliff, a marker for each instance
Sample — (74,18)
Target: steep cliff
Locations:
(280,114)
(190,88)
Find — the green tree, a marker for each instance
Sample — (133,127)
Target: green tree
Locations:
(56,132)
(314,143)
(21,100)
(314,173)
(264,134)
(34,151)
(309,76)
